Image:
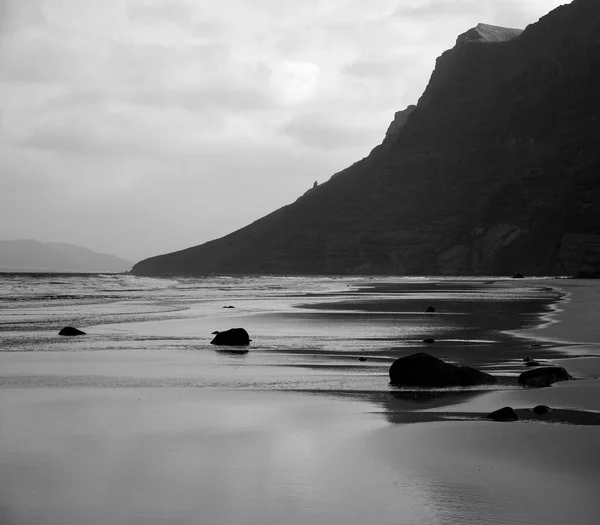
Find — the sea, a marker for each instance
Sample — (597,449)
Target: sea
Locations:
(144,421)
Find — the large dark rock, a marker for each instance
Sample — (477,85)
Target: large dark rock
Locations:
(544,376)
(503,414)
(424,370)
(231,337)
(496,169)
(70,331)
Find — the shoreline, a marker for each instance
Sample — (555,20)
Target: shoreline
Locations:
(573,321)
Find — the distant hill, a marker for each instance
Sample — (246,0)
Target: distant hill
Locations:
(495,171)
(33,256)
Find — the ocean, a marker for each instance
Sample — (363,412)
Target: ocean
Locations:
(142,420)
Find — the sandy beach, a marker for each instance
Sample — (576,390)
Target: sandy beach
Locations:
(182,436)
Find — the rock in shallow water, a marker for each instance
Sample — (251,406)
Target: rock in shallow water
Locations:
(424,370)
(70,331)
(544,376)
(231,337)
(503,414)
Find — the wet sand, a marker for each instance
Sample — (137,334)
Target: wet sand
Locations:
(156,438)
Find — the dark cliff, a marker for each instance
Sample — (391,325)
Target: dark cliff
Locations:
(497,170)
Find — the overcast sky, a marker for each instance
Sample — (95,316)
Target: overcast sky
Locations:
(139,127)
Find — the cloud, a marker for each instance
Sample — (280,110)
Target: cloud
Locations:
(107,136)
(228,97)
(183,16)
(496,12)
(387,68)
(438,8)
(315,131)
(295,82)
(167,11)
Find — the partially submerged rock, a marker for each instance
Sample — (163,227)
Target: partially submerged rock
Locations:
(541,410)
(503,414)
(533,363)
(544,376)
(429,341)
(430,309)
(424,370)
(70,331)
(362,358)
(231,337)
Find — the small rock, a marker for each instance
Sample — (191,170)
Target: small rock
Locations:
(517,276)
(361,358)
(503,414)
(527,359)
(430,309)
(70,331)
(229,307)
(429,341)
(533,363)
(540,410)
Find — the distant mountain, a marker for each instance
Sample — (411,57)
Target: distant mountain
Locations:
(34,256)
(495,171)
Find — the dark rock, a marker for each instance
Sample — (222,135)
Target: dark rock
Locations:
(228,306)
(542,377)
(424,370)
(429,341)
(486,33)
(527,359)
(70,331)
(362,358)
(503,414)
(400,119)
(541,410)
(430,309)
(231,337)
(517,276)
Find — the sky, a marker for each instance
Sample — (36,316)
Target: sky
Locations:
(141,127)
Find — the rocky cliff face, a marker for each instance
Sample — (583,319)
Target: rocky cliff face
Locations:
(496,170)
(400,119)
